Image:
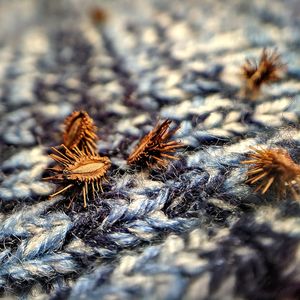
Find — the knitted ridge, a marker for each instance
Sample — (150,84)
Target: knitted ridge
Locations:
(192,231)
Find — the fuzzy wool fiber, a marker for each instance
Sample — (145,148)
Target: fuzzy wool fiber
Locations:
(192,231)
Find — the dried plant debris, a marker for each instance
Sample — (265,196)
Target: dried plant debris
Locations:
(155,148)
(78,168)
(269,69)
(273,167)
(80,132)
(98,15)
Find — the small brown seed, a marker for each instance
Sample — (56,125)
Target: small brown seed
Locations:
(269,69)
(272,167)
(78,167)
(155,147)
(80,132)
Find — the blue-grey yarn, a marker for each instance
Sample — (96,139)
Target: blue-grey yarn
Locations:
(192,231)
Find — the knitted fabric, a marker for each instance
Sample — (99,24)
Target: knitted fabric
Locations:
(192,231)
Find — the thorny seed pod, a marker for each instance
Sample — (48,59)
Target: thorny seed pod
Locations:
(77,167)
(155,147)
(269,69)
(98,15)
(272,167)
(80,132)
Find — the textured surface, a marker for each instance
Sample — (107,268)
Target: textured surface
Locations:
(194,231)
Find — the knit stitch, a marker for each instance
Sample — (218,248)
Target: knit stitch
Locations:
(194,230)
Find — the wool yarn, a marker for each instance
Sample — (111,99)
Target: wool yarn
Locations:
(192,231)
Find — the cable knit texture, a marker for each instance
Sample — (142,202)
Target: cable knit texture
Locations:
(192,231)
